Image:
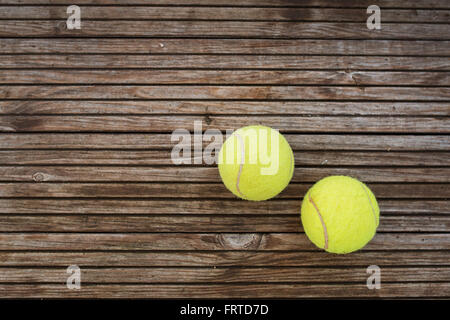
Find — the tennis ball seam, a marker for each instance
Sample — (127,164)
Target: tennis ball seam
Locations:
(316,208)
(324,227)
(241,165)
(290,165)
(371,205)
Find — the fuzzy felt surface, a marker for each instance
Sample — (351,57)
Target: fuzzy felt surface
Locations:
(340,214)
(255,178)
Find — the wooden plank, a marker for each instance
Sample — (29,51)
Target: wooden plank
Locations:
(190,206)
(235,29)
(222,13)
(240,291)
(218,77)
(222,275)
(224,92)
(163,157)
(199,190)
(95,206)
(297,108)
(224,46)
(432,4)
(318,142)
(191,224)
(210,174)
(292,124)
(345,64)
(223,258)
(207,241)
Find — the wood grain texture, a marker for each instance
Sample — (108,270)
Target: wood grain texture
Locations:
(211,259)
(314,141)
(431,4)
(298,108)
(222,275)
(196,206)
(86,118)
(344,64)
(224,29)
(224,92)
(168,124)
(200,190)
(232,77)
(193,224)
(210,174)
(163,157)
(225,46)
(207,241)
(222,13)
(230,291)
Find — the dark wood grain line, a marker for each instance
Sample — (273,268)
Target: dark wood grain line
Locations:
(226,291)
(429,4)
(218,77)
(225,92)
(222,259)
(198,224)
(224,46)
(158,124)
(222,13)
(314,141)
(163,157)
(345,64)
(222,275)
(298,108)
(206,241)
(210,174)
(181,206)
(201,190)
(224,29)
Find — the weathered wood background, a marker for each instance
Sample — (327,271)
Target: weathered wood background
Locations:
(86,116)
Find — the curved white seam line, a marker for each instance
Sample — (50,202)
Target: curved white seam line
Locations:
(370,201)
(291,169)
(241,164)
(325,233)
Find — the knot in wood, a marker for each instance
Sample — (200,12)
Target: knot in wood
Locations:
(38,177)
(240,241)
(61,26)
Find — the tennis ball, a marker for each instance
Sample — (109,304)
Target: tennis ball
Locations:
(340,214)
(256,163)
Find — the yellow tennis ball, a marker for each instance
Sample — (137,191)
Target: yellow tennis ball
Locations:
(256,163)
(340,214)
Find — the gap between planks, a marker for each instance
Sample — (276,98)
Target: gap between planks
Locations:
(349,65)
(299,142)
(229,259)
(225,47)
(224,275)
(190,190)
(223,29)
(145,224)
(426,4)
(233,108)
(227,290)
(180,206)
(186,13)
(206,241)
(224,77)
(210,174)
